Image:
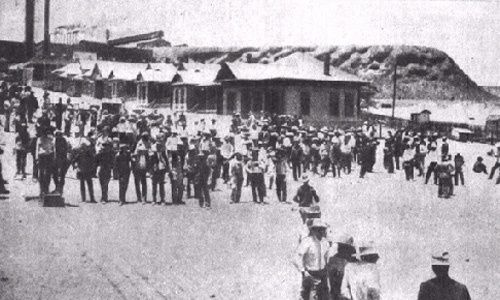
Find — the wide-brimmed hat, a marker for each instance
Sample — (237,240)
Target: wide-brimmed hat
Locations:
(344,238)
(318,223)
(441,259)
(310,212)
(367,249)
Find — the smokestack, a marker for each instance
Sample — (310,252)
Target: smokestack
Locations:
(326,64)
(46,33)
(29,27)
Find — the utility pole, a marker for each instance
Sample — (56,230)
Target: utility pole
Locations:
(394,79)
(46,30)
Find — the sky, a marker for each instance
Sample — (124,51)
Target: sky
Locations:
(469,31)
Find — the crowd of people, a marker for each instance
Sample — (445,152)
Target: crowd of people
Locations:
(261,153)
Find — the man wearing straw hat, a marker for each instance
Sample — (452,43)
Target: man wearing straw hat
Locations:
(306,196)
(312,255)
(361,279)
(442,287)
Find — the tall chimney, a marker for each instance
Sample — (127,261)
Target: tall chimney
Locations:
(29,27)
(46,32)
(326,64)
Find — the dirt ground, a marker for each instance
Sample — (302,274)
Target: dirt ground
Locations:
(244,251)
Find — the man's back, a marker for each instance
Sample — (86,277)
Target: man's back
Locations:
(443,289)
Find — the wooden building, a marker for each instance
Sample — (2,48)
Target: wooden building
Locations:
(194,88)
(316,93)
(154,84)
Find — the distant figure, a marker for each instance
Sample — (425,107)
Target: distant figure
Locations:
(496,154)
(479,166)
(442,287)
(306,195)
(445,148)
(459,172)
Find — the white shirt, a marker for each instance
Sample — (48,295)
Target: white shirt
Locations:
(312,254)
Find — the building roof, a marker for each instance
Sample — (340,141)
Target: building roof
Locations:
(197,74)
(493,118)
(292,69)
(157,73)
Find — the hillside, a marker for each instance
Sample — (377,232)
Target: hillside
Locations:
(423,72)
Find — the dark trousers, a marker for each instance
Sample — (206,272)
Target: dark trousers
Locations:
(86,179)
(493,169)
(445,188)
(396,159)
(204,197)
(190,182)
(336,169)
(177,192)
(123,180)
(459,174)
(2,183)
(431,169)
(61,168)
(315,286)
(158,179)
(30,115)
(389,164)
(364,169)
(236,190)
(296,170)
(258,187)
(35,167)
(215,175)
(408,167)
(347,162)
(281,187)
(6,127)
(325,165)
(225,171)
(141,186)
(45,165)
(104,178)
(67,128)
(21,162)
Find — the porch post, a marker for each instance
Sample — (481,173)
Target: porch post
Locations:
(342,104)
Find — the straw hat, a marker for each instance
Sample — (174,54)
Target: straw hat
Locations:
(318,223)
(441,259)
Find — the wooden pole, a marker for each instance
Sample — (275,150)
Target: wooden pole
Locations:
(394,80)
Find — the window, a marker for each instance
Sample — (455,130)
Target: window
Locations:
(305,103)
(114,89)
(349,104)
(130,88)
(231,101)
(257,102)
(334,104)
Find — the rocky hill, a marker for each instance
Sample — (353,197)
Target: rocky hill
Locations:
(422,72)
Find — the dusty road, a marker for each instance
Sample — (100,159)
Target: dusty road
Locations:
(94,251)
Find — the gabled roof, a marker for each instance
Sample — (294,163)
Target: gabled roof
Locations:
(293,68)
(197,74)
(160,72)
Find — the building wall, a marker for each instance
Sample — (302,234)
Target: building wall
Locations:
(289,97)
(320,103)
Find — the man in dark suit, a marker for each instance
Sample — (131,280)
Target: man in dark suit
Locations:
(442,287)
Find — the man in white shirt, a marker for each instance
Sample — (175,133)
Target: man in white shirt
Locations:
(311,259)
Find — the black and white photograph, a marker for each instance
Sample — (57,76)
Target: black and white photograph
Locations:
(250,149)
